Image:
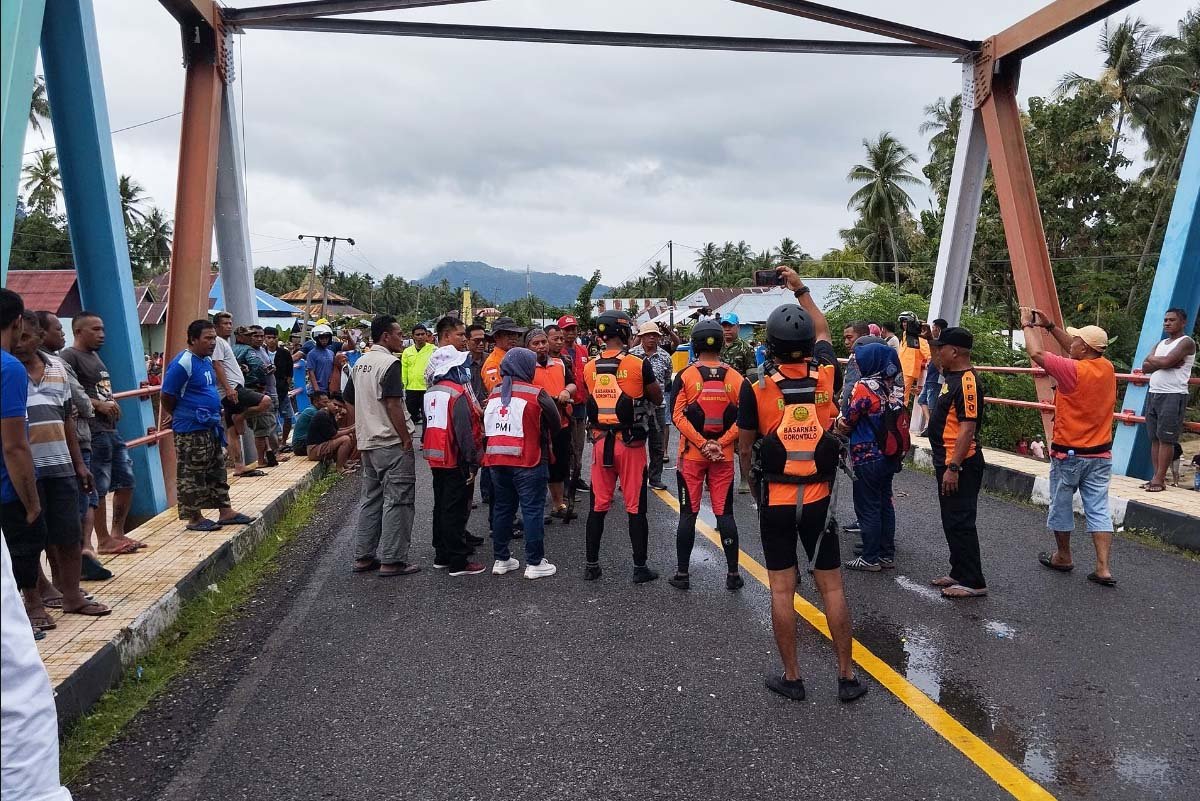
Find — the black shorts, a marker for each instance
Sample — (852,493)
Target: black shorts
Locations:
(560,448)
(246,399)
(780,531)
(26,542)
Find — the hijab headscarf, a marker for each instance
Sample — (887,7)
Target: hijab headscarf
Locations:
(880,368)
(519,364)
(533,334)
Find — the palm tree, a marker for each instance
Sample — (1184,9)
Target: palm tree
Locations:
(1131,75)
(154,235)
(133,195)
(659,279)
(39,107)
(790,253)
(943,121)
(708,263)
(42,182)
(881,200)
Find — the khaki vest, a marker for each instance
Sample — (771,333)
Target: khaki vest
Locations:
(372,427)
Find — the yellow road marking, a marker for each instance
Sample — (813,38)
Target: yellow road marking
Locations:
(1003,772)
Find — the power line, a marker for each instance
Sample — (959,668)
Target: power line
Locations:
(117,131)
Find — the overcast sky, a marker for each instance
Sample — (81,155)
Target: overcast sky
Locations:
(564,158)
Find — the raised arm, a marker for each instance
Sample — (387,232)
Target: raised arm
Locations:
(796,284)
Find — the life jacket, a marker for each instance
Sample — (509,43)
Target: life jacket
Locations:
(610,408)
(799,449)
(710,411)
(552,377)
(513,433)
(1083,419)
(438,443)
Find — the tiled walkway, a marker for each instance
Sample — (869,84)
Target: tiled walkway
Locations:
(144,579)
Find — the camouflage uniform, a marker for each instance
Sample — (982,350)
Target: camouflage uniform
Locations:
(739,355)
(200,473)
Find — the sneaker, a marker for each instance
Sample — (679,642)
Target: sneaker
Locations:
(792,690)
(680,581)
(657,485)
(887,564)
(540,570)
(862,564)
(642,574)
(582,486)
(440,565)
(591,572)
(734,581)
(469,569)
(850,690)
(852,528)
(666,460)
(503,566)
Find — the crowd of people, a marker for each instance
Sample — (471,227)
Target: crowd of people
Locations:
(531,420)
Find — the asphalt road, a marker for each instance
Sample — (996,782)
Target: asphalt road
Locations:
(334,685)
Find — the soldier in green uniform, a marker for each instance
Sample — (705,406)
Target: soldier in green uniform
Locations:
(738,354)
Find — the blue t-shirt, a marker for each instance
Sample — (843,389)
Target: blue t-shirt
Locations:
(198,403)
(14,394)
(320,361)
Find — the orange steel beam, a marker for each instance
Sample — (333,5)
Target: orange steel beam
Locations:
(193,12)
(1054,22)
(1022,218)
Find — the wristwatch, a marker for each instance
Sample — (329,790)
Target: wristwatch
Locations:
(802,291)
(953,468)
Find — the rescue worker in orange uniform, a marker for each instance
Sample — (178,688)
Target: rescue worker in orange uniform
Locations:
(453,444)
(552,375)
(622,393)
(517,423)
(914,352)
(705,397)
(785,419)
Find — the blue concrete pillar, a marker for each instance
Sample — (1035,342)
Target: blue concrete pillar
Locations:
(75,86)
(20,27)
(1176,284)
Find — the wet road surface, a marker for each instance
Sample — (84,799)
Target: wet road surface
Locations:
(334,685)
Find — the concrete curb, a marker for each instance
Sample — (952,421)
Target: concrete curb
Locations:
(1174,528)
(78,693)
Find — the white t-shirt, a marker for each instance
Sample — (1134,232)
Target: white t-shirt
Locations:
(1037,449)
(1171,381)
(28,720)
(224,355)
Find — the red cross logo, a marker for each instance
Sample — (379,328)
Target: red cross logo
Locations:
(433,403)
(504,411)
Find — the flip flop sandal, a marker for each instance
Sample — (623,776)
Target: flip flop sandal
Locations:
(1046,561)
(1156,487)
(237,520)
(121,551)
(56,603)
(957,592)
(1102,580)
(404,570)
(256,473)
(944,581)
(38,634)
(96,610)
(372,565)
(204,525)
(42,622)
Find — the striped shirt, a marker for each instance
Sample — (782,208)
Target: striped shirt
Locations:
(49,407)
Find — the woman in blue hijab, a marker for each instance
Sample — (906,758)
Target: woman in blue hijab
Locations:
(881,387)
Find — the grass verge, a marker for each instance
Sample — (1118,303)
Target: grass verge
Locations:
(198,622)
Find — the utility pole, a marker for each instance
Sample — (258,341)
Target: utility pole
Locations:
(312,279)
(312,276)
(671,281)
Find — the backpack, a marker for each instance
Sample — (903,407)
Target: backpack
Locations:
(892,435)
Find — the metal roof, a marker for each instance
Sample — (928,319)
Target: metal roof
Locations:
(47,290)
(266,305)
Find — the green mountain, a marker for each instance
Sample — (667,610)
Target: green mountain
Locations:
(502,286)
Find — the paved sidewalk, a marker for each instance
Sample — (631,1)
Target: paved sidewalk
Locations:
(85,655)
(1173,515)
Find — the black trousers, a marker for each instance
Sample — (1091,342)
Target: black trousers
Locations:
(451,510)
(414,401)
(958,521)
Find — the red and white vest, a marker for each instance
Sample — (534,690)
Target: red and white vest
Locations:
(438,443)
(513,433)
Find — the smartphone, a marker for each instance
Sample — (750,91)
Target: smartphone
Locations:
(767,278)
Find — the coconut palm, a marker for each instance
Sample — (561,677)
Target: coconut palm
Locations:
(1132,75)
(790,253)
(39,107)
(659,279)
(708,263)
(881,200)
(942,121)
(154,235)
(42,181)
(133,196)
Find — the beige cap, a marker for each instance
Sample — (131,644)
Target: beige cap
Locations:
(649,328)
(1093,336)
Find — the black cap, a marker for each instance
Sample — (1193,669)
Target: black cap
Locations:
(958,337)
(506,324)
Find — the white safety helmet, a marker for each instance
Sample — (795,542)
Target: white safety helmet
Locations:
(321,329)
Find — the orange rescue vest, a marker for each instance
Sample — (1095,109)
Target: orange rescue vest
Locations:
(514,432)
(610,408)
(709,409)
(798,448)
(1083,420)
